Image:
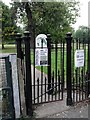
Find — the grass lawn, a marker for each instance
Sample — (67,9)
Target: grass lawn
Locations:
(56,66)
(9,48)
(61,59)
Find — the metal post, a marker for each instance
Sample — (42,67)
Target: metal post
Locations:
(69,82)
(49,62)
(18,41)
(28,75)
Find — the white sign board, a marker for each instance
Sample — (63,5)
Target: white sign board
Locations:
(41,40)
(79,58)
(41,57)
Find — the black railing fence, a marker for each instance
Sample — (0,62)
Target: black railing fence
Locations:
(80,75)
(67,70)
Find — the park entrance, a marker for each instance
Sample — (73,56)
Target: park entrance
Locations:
(63,67)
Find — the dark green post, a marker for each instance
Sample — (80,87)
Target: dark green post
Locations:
(28,89)
(69,82)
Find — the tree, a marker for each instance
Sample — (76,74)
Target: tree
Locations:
(83,33)
(8,25)
(43,17)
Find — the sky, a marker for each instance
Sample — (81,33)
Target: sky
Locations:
(82,20)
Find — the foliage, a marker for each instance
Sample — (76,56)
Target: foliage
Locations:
(9,26)
(43,17)
(83,33)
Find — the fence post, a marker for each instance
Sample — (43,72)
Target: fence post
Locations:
(68,72)
(88,62)
(18,41)
(10,84)
(28,89)
(19,62)
(49,62)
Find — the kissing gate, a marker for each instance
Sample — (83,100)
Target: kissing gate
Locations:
(64,69)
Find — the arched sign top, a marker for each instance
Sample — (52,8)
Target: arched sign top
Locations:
(39,39)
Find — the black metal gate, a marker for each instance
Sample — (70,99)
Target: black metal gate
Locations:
(47,83)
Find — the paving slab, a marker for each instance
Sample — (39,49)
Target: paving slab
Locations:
(79,111)
(51,108)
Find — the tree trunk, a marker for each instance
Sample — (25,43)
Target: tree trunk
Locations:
(30,22)
(2,46)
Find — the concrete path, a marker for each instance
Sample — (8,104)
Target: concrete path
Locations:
(79,111)
(51,108)
(60,110)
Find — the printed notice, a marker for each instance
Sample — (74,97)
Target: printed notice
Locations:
(79,58)
(41,40)
(41,57)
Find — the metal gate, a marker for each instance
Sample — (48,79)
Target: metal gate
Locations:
(47,83)
(78,69)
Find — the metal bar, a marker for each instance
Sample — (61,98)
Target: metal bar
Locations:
(52,84)
(49,62)
(58,84)
(56,70)
(69,83)
(73,70)
(82,82)
(73,89)
(85,65)
(79,88)
(62,80)
(34,73)
(37,91)
(83,72)
(76,85)
(79,76)
(77,71)
(63,70)
(41,74)
(45,88)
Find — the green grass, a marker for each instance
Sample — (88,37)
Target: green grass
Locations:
(9,48)
(59,62)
